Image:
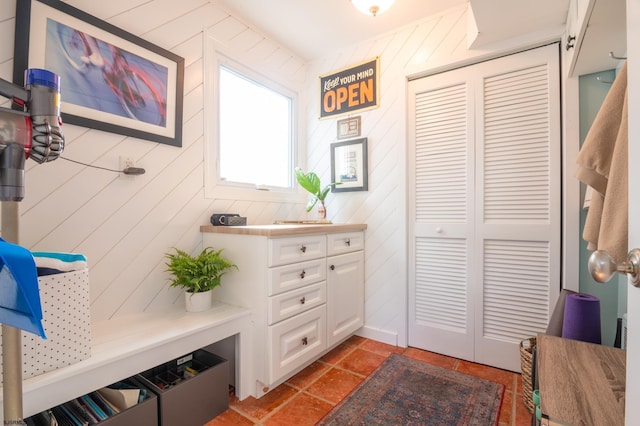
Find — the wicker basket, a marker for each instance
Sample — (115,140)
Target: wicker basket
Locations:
(526,361)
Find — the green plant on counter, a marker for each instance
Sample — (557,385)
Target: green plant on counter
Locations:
(311,182)
(199,273)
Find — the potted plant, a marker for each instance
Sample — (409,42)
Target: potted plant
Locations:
(197,275)
(311,182)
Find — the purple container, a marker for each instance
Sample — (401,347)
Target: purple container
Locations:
(582,318)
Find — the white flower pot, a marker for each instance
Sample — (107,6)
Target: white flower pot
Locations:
(198,302)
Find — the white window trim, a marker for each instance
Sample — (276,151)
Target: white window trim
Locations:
(214,55)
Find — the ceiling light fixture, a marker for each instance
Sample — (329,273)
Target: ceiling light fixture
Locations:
(372,7)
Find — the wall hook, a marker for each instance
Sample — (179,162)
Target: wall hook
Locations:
(618,58)
(570,43)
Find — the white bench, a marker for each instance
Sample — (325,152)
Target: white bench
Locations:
(130,345)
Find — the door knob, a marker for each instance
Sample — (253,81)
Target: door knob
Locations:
(602,267)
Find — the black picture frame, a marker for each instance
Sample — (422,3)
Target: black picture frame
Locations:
(349,165)
(110,79)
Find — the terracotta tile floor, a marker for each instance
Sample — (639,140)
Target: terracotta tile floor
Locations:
(308,396)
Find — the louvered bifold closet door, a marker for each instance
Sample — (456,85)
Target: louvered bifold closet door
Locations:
(441,312)
(484,206)
(518,205)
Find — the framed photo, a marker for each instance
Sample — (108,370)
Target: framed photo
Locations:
(349,165)
(349,127)
(110,79)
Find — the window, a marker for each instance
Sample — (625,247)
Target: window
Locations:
(251,132)
(255,132)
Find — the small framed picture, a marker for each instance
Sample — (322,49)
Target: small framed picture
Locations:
(349,128)
(349,165)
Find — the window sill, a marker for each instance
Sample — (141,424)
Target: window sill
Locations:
(252,194)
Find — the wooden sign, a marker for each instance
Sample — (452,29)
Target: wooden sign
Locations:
(350,89)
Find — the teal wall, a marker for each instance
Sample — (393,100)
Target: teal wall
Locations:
(612,295)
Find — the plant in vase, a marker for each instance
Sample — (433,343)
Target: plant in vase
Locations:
(311,182)
(197,275)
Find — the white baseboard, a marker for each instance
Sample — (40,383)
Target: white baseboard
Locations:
(384,336)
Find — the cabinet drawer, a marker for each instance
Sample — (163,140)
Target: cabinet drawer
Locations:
(296,249)
(344,243)
(293,302)
(289,277)
(296,341)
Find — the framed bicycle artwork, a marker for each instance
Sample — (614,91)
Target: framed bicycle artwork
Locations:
(349,165)
(111,80)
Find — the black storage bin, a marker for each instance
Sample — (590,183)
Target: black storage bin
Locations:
(192,389)
(144,413)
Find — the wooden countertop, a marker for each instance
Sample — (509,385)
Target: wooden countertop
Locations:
(279,230)
(580,383)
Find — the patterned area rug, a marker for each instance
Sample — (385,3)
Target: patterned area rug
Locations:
(403,391)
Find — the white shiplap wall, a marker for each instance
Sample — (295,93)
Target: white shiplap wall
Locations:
(432,44)
(124,225)
(383,206)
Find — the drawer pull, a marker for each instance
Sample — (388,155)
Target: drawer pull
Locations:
(303,300)
(302,274)
(303,249)
(348,242)
(332,267)
(304,341)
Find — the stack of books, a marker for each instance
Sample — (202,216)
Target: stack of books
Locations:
(92,408)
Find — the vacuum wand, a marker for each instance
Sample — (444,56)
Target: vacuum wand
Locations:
(35,132)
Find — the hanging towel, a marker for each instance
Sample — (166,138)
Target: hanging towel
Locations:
(602,164)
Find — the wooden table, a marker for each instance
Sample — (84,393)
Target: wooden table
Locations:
(580,383)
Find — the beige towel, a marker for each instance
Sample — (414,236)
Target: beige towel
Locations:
(602,164)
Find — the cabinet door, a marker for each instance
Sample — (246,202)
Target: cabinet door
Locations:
(295,341)
(485,206)
(345,295)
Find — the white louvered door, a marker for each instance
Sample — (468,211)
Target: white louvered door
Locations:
(443,208)
(484,172)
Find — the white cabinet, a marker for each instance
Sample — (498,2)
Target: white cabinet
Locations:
(304,286)
(345,296)
(594,28)
(571,35)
